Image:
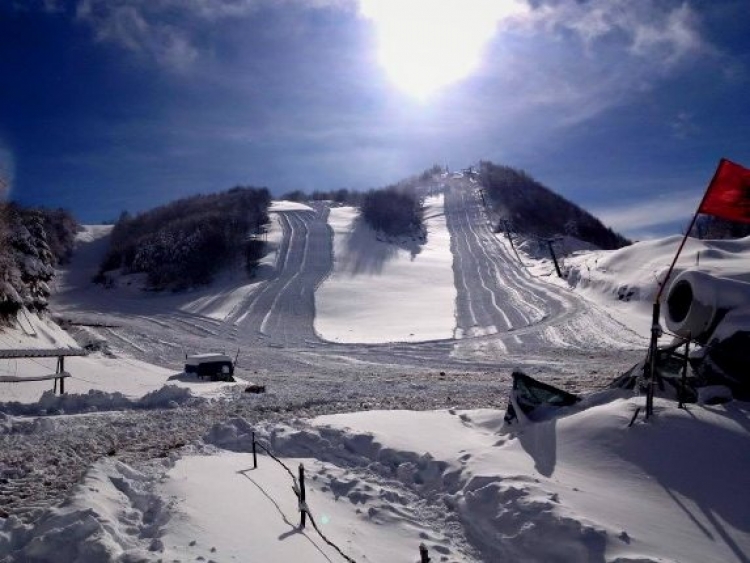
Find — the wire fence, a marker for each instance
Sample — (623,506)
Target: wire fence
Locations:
(298,486)
(299,490)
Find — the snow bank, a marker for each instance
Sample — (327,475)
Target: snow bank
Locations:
(581,488)
(169,396)
(228,511)
(113,516)
(383,291)
(625,281)
(31,332)
(126,376)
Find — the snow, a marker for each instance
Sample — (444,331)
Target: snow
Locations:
(115,382)
(32,332)
(283,205)
(138,462)
(209,521)
(97,381)
(586,487)
(220,301)
(580,487)
(127,376)
(735,321)
(625,281)
(383,291)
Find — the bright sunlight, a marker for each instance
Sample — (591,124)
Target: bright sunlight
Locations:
(425,45)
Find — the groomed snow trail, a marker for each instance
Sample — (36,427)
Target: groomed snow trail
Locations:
(282,312)
(502,307)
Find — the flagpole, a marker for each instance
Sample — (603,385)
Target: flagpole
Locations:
(656,311)
(687,233)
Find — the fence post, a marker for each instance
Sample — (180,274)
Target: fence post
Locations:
(62,379)
(424,556)
(302,507)
(255,455)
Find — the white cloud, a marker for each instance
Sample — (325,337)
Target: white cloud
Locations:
(683,125)
(574,60)
(649,214)
(657,31)
(163,29)
(130,26)
(672,37)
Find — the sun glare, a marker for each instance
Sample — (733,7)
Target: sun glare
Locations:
(425,45)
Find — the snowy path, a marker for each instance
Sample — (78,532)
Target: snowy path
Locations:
(497,296)
(490,298)
(377,293)
(282,312)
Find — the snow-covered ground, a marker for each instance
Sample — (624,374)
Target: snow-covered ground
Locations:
(97,381)
(383,291)
(582,487)
(625,281)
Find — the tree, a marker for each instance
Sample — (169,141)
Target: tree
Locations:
(393,211)
(186,242)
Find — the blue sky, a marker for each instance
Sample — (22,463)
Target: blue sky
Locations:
(624,107)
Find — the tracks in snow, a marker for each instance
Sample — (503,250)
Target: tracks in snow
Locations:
(501,310)
(497,296)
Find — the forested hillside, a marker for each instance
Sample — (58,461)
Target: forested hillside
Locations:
(397,210)
(185,243)
(533,209)
(393,211)
(32,243)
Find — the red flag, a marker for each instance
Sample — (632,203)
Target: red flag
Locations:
(728,195)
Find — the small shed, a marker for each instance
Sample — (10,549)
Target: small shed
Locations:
(217,367)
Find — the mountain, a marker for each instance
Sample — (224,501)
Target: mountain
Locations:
(533,209)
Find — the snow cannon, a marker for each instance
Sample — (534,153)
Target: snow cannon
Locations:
(698,301)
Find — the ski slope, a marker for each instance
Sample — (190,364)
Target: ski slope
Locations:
(502,307)
(330,295)
(381,291)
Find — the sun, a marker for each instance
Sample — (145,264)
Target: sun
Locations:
(425,45)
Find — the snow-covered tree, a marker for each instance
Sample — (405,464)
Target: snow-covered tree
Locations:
(186,242)
(26,260)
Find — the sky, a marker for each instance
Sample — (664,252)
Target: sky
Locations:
(623,107)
